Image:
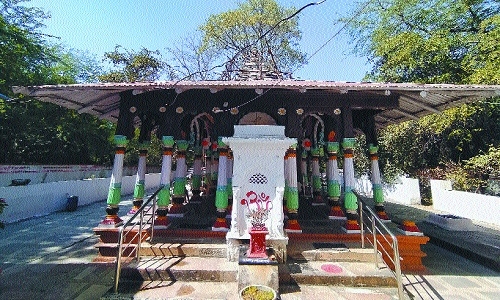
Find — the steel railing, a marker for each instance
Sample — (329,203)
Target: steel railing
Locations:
(127,238)
(381,236)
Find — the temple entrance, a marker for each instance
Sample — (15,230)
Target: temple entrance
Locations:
(257,118)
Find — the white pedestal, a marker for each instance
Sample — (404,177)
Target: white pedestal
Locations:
(258,171)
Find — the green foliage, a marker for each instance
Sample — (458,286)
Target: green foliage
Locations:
(455,145)
(234,33)
(432,41)
(154,151)
(34,132)
(131,66)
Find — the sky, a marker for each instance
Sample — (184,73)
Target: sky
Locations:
(97,26)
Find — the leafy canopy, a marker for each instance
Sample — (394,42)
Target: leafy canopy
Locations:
(234,33)
(430,41)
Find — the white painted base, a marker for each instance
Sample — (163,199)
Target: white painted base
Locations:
(410,232)
(337,218)
(161,226)
(175,215)
(222,229)
(351,231)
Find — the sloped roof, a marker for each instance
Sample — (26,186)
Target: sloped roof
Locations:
(415,100)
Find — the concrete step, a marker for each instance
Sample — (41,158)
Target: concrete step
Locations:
(181,269)
(332,252)
(175,290)
(354,274)
(184,248)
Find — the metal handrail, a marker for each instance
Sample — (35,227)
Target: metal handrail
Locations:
(128,226)
(378,227)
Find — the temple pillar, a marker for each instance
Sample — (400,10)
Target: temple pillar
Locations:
(378,193)
(303,172)
(292,203)
(316,178)
(197,176)
(333,186)
(179,194)
(115,185)
(350,199)
(163,198)
(139,189)
(214,167)
(229,178)
(221,195)
(286,164)
(208,166)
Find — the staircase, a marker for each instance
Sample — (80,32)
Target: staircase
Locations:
(193,263)
(188,259)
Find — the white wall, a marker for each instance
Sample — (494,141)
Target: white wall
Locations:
(404,191)
(477,207)
(52,173)
(41,199)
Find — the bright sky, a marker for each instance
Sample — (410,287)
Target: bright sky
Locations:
(98,25)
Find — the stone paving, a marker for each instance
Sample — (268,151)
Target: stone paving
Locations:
(50,257)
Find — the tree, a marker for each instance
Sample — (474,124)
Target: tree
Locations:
(235,33)
(34,132)
(131,66)
(189,62)
(432,41)
(436,41)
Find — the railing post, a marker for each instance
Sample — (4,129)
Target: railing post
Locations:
(361,224)
(397,267)
(139,242)
(153,220)
(375,244)
(118,260)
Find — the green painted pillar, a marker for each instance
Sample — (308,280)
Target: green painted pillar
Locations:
(139,189)
(179,194)
(163,198)
(197,176)
(115,185)
(292,203)
(333,187)
(316,178)
(221,195)
(350,199)
(378,193)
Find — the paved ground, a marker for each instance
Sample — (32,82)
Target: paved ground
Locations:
(50,257)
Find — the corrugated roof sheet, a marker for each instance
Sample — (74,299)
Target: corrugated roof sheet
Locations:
(415,100)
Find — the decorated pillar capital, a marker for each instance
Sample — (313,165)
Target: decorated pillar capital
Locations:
(332,148)
(168,141)
(349,143)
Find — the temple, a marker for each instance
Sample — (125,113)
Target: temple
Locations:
(254,148)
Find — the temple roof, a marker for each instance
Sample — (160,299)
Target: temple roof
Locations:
(415,100)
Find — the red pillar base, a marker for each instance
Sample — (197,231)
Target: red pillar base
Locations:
(317,199)
(336,213)
(161,222)
(410,228)
(176,210)
(383,216)
(293,226)
(352,226)
(220,225)
(257,244)
(111,221)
